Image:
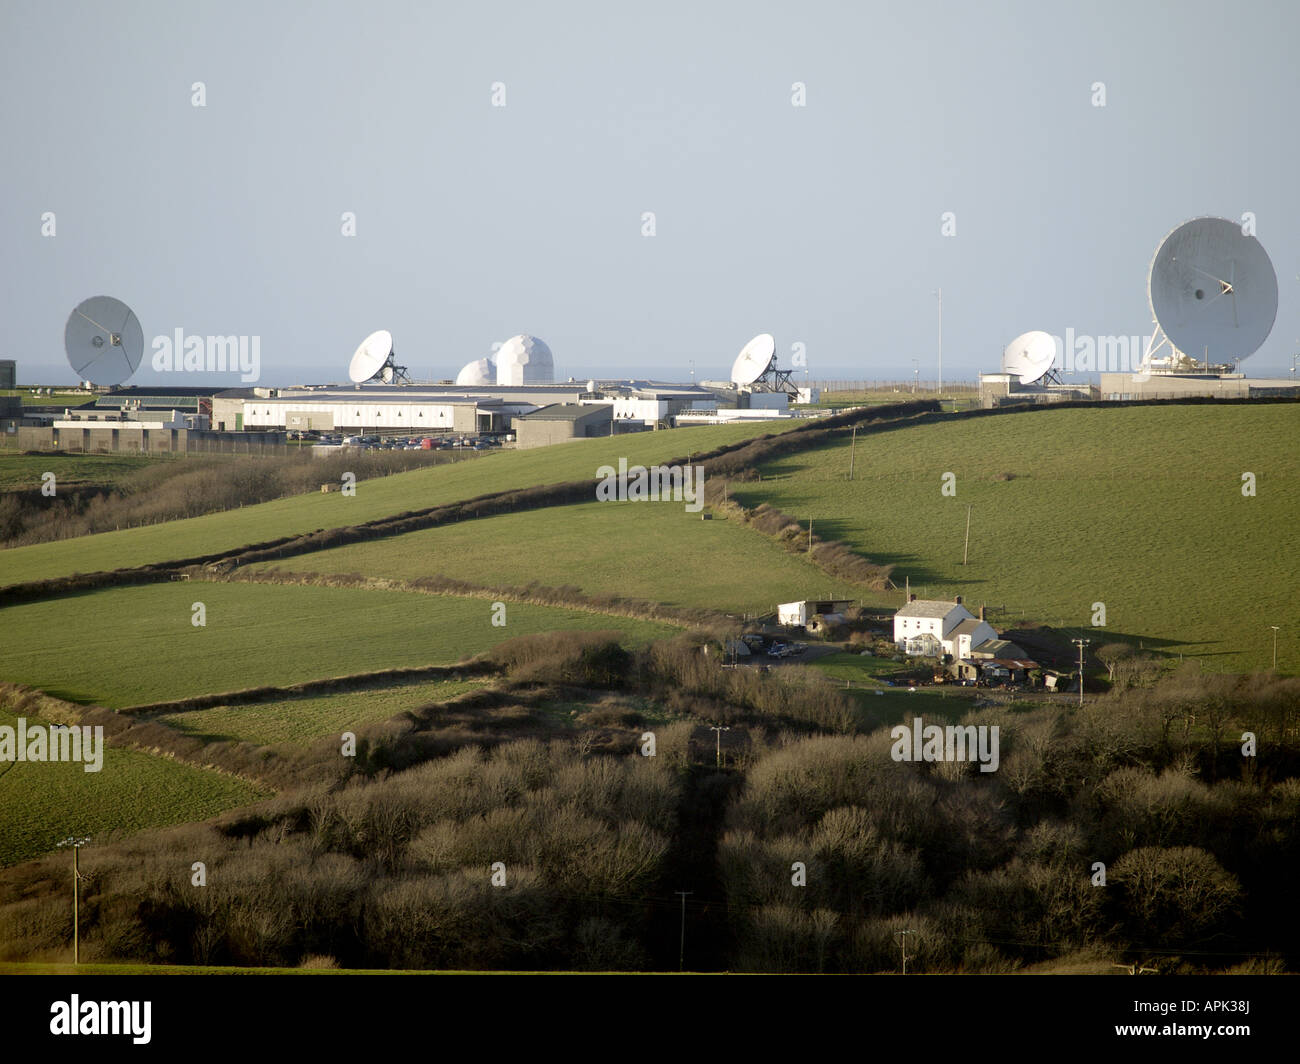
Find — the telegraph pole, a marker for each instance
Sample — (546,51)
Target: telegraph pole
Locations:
(719,729)
(681,950)
(1081,643)
(966,550)
(1275,628)
(76,843)
(902,942)
(941,345)
(853,446)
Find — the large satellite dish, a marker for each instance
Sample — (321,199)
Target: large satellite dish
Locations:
(104,341)
(754,360)
(1213,292)
(1029,356)
(375,360)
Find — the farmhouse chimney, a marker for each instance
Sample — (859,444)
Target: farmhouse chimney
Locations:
(981,613)
(958,600)
(912,599)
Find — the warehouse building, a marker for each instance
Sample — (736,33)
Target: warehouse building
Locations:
(410,408)
(1126,386)
(150,433)
(562,422)
(11,414)
(442,408)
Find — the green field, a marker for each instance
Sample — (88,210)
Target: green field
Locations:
(1139,508)
(854,667)
(133,645)
(374,499)
(643,550)
(57,399)
(46,802)
(23,472)
(304,719)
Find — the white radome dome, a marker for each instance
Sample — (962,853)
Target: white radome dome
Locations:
(478,373)
(524,359)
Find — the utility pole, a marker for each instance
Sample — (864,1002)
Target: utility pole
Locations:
(76,843)
(853,447)
(940,345)
(810,520)
(966,550)
(902,942)
(1081,643)
(1275,628)
(681,949)
(719,729)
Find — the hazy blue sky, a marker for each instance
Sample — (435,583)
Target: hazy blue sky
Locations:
(820,224)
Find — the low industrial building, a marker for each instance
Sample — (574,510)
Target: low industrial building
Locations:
(1126,386)
(395,409)
(1004,389)
(173,432)
(561,422)
(443,408)
(11,414)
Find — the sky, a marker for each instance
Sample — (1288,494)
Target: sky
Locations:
(822,224)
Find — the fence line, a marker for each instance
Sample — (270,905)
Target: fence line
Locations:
(900,386)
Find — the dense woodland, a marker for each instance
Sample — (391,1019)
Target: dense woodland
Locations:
(386,859)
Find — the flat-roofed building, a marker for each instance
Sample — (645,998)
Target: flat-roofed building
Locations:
(562,422)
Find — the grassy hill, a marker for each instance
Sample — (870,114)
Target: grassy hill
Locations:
(374,499)
(654,551)
(129,646)
(48,801)
(23,472)
(307,718)
(1139,508)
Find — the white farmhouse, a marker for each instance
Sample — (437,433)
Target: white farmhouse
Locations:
(933,627)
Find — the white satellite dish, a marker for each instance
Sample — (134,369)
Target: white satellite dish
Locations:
(591,387)
(754,360)
(103,340)
(375,360)
(1029,356)
(370,356)
(1213,291)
